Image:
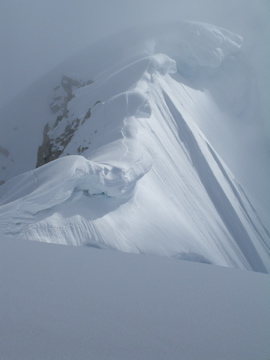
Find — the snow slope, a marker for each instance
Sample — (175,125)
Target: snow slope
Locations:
(63,303)
(122,161)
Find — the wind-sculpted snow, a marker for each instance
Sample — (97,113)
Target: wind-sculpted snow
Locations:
(136,173)
(194,47)
(217,195)
(51,185)
(198,47)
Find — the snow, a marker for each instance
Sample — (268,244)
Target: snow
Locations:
(142,177)
(126,147)
(205,45)
(64,303)
(199,46)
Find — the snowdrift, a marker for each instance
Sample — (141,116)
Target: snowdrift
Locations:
(121,161)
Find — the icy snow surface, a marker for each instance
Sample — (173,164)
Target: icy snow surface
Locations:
(63,303)
(134,171)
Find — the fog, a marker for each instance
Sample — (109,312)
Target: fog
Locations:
(36,35)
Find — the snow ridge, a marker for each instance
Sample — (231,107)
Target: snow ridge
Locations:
(142,177)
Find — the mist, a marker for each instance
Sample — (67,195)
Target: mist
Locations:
(35,35)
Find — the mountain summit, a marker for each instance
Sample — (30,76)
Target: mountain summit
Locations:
(109,151)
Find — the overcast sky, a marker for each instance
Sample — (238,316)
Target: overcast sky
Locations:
(36,35)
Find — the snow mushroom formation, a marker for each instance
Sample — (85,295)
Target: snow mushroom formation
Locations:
(133,170)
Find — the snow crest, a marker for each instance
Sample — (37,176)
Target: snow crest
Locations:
(199,46)
(133,170)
